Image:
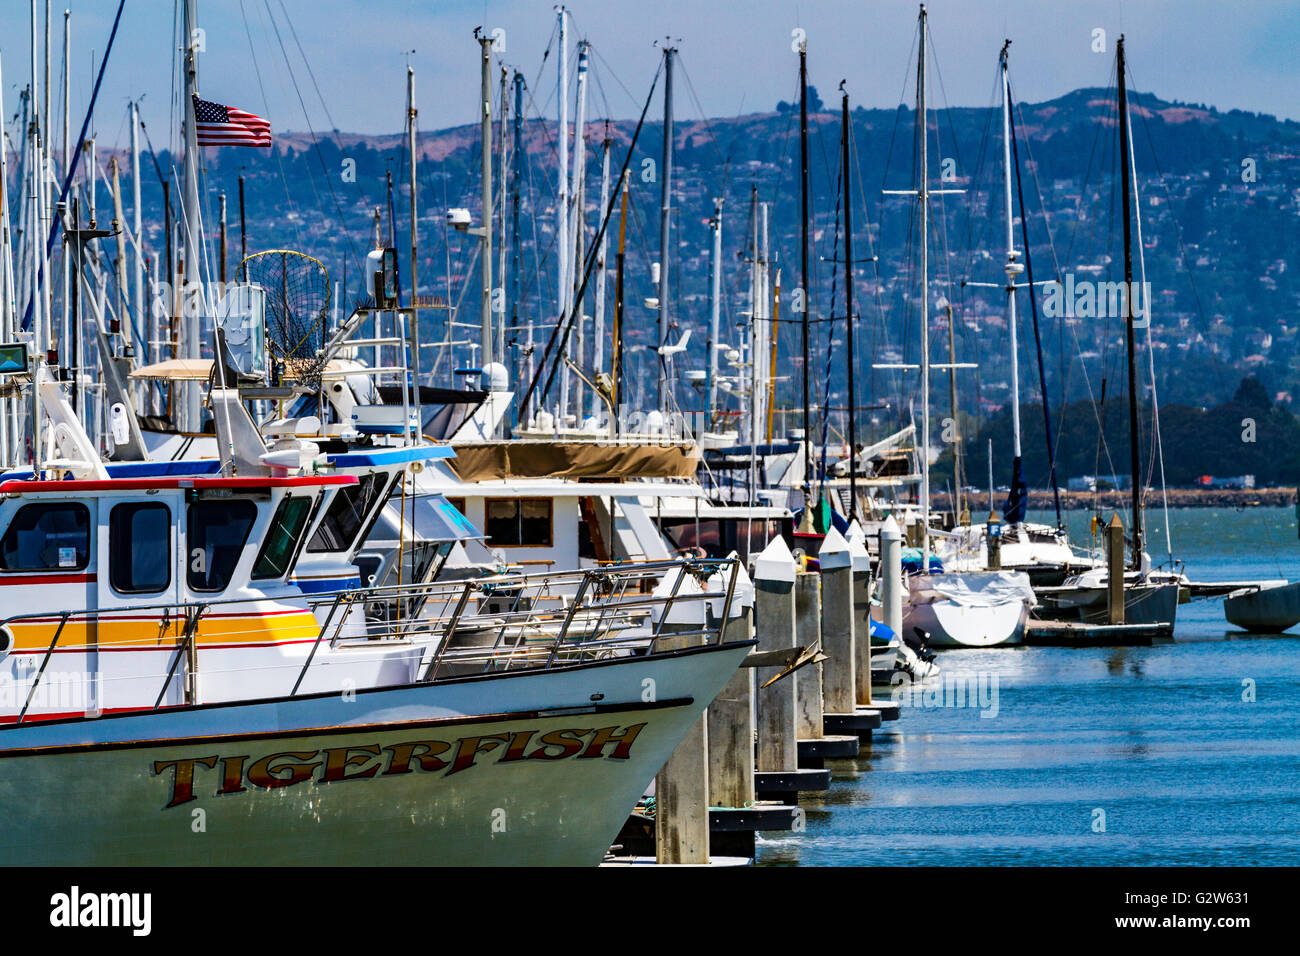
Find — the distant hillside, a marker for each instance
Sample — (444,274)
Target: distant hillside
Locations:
(1236,311)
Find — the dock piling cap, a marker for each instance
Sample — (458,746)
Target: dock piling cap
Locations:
(1114,520)
(743,596)
(858,548)
(835,552)
(889,530)
(775,563)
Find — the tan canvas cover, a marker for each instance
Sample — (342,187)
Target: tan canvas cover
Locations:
(198,370)
(177,370)
(499,461)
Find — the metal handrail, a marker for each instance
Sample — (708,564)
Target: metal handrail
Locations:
(44,663)
(316,646)
(183,647)
(604,615)
(432,670)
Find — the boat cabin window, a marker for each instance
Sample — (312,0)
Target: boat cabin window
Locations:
(518,522)
(282,537)
(47,537)
(140,547)
(217,530)
(346,512)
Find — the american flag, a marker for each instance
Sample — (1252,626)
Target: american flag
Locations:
(218,125)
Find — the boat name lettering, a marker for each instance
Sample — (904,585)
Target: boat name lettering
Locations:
(239,773)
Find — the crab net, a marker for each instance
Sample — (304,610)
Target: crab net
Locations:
(297,296)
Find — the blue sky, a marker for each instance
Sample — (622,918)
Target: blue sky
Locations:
(736,57)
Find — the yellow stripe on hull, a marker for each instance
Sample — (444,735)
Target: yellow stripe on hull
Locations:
(150,633)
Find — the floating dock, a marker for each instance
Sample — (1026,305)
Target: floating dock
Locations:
(1081,634)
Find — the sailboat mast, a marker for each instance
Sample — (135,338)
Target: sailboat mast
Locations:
(485,115)
(413,332)
(1130,343)
(803,280)
(577,193)
(36,247)
(598,336)
(64,328)
(516,274)
(616,347)
(1012,268)
(8,308)
(848,304)
(715,309)
(563,288)
(665,218)
(755,333)
(923,196)
(503,168)
(189,406)
(136,212)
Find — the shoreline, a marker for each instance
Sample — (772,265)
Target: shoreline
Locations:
(1119,500)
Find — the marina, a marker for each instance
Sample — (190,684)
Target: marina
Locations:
(578,487)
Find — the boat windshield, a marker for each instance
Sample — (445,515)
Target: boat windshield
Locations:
(347,511)
(282,537)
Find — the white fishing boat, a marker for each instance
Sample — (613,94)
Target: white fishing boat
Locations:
(161,654)
(160,658)
(524,766)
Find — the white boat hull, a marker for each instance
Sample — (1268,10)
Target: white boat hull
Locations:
(1269,611)
(1147,604)
(524,768)
(956,625)
(969,609)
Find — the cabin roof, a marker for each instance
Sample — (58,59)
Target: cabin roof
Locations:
(142,484)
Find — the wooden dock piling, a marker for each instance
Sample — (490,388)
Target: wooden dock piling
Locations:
(778,775)
(731,730)
(839,673)
(682,784)
(808,679)
(774,620)
(1115,570)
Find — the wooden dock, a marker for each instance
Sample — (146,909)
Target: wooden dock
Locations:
(1081,634)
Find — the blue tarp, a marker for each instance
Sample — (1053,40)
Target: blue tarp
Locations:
(881,634)
(912,562)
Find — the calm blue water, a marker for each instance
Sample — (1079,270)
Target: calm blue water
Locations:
(1156,743)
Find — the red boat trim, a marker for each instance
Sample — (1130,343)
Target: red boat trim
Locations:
(69,715)
(141,484)
(7,578)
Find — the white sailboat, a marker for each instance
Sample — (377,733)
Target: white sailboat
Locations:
(960,608)
(1151,596)
(1041,551)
